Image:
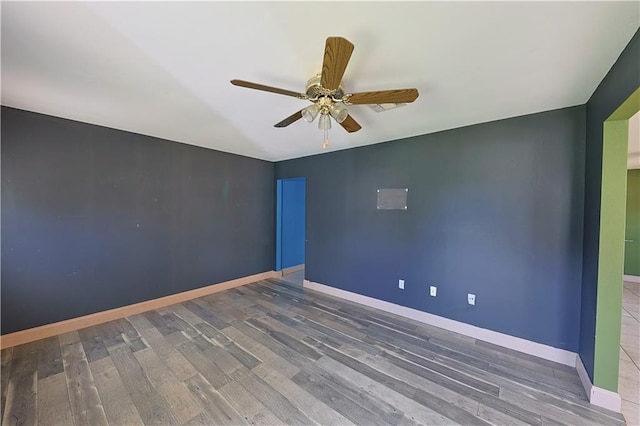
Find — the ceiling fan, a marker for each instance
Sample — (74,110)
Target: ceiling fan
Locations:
(325,92)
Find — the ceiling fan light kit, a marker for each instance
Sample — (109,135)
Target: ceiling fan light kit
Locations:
(325,92)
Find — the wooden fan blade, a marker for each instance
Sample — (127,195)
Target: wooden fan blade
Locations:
(250,85)
(290,119)
(383,97)
(350,125)
(337,52)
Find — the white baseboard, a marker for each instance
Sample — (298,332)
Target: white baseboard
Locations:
(598,396)
(631,278)
(522,345)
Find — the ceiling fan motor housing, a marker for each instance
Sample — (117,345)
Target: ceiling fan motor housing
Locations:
(315,91)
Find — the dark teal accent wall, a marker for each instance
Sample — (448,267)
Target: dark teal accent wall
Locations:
(620,82)
(95,218)
(493,209)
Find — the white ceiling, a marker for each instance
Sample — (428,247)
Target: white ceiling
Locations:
(163,68)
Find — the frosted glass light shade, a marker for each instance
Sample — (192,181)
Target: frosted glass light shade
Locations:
(310,112)
(338,112)
(325,122)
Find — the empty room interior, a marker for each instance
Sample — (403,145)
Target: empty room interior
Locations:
(323,213)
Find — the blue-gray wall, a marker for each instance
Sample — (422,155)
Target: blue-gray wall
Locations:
(620,82)
(493,209)
(95,218)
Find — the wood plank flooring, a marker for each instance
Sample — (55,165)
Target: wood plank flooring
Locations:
(273,353)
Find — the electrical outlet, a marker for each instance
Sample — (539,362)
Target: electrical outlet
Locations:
(433,290)
(471,298)
(401,284)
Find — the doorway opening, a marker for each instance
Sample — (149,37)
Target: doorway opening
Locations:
(629,368)
(291,228)
(611,254)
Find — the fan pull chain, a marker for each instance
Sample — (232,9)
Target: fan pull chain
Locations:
(325,144)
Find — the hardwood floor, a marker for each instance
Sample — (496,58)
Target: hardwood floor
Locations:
(272,353)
